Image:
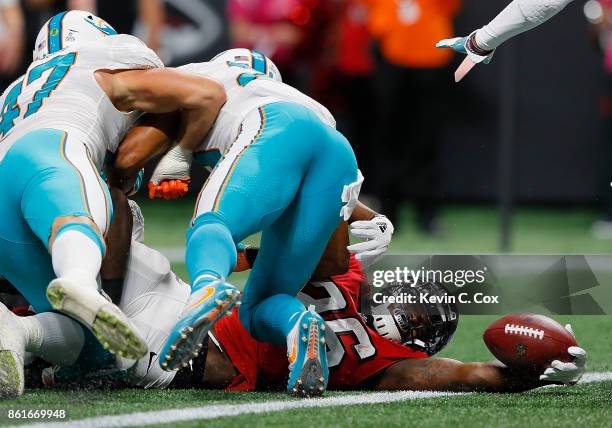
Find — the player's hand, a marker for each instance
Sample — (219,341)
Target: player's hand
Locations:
(170,180)
(377,234)
(466,45)
(567,373)
(169,189)
(137,222)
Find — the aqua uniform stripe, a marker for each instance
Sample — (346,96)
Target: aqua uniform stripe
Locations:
(258,62)
(55,33)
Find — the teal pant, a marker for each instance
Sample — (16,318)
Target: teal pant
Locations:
(40,182)
(284,177)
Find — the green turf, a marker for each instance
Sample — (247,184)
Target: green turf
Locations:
(588,404)
(469,229)
(558,407)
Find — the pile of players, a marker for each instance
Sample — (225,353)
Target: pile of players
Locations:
(96,104)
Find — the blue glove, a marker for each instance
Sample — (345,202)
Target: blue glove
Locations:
(462,45)
(457,44)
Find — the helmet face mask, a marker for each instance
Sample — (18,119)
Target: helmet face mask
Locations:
(427,327)
(68,28)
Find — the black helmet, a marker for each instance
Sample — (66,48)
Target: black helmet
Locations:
(421,325)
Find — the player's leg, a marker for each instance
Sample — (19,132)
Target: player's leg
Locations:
(290,251)
(153,297)
(248,190)
(51,336)
(66,205)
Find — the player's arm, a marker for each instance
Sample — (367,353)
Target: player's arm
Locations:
(335,259)
(118,241)
(518,17)
(164,90)
(152,136)
(443,374)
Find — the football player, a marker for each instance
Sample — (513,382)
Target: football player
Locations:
(280,167)
(518,17)
(85,87)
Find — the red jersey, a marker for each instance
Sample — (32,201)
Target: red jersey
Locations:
(355,352)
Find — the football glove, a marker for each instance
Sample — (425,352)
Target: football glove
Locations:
(567,373)
(465,45)
(137,222)
(377,234)
(170,180)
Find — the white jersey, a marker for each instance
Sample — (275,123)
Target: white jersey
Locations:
(153,298)
(61,92)
(246,90)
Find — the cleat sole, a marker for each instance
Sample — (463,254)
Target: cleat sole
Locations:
(11,374)
(311,378)
(118,336)
(112,331)
(191,338)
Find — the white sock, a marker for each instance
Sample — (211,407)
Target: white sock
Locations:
(76,256)
(53,337)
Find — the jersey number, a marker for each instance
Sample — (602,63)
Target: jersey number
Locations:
(11,109)
(339,327)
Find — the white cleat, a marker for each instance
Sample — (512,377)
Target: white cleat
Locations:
(12,350)
(111,327)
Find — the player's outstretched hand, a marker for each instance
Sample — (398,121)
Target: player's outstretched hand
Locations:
(567,373)
(467,46)
(171,179)
(377,234)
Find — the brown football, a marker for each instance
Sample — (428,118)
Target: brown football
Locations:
(528,341)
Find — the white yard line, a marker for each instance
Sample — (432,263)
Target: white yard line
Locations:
(221,410)
(591,377)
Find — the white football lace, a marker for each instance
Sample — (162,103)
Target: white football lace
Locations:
(522,330)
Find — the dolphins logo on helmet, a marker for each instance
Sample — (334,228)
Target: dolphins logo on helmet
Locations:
(252,58)
(68,28)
